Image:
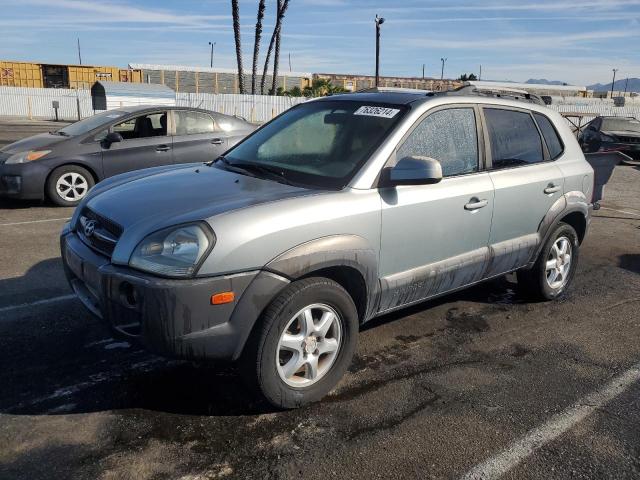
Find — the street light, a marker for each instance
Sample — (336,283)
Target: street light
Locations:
(379,21)
(614,80)
(443,60)
(212,45)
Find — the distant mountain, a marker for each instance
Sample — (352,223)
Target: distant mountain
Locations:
(544,81)
(633,86)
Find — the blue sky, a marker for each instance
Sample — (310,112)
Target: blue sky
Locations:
(574,41)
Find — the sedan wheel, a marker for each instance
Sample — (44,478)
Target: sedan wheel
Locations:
(72,187)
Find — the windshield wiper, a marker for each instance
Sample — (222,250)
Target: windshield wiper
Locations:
(59,132)
(253,169)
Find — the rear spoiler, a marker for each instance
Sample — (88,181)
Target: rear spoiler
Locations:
(603,164)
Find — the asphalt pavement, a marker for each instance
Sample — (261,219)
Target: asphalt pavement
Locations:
(481,383)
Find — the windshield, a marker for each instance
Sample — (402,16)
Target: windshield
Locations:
(317,143)
(88,124)
(620,124)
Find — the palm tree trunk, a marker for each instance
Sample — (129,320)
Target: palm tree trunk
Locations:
(276,55)
(235,10)
(274,35)
(256,46)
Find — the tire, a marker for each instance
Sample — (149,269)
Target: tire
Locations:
(268,359)
(67,185)
(541,284)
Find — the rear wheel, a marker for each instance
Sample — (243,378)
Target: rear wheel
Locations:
(304,344)
(555,267)
(68,185)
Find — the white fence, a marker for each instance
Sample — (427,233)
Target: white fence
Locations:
(38,103)
(594,109)
(255,108)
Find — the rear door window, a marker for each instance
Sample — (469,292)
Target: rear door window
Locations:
(551,138)
(514,138)
(449,136)
(193,123)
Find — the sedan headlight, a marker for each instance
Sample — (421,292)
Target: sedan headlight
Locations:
(175,251)
(23,157)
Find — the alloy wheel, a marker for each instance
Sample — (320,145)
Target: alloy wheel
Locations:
(309,345)
(558,263)
(72,186)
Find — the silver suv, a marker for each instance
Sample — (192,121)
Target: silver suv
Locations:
(338,211)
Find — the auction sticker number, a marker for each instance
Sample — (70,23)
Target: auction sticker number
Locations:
(371,111)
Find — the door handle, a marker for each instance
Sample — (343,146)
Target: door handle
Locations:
(475,204)
(551,188)
(217,141)
(163,148)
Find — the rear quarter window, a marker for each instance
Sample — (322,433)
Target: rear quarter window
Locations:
(550,135)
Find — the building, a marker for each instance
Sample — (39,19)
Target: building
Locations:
(212,80)
(47,75)
(354,83)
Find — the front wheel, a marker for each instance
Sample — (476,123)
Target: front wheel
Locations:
(69,184)
(304,344)
(555,267)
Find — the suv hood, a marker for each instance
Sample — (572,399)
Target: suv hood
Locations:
(33,143)
(183,194)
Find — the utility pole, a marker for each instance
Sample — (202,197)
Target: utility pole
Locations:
(79,54)
(614,81)
(77,82)
(480,74)
(290,62)
(379,21)
(443,60)
(423,71)
(626,83)
(211,61)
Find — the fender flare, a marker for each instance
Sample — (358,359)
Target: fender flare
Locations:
(570,202)
(332,251)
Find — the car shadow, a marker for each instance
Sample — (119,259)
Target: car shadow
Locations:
(58,359)
(11,204)
(630,262)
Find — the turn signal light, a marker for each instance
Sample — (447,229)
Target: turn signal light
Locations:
(222,298)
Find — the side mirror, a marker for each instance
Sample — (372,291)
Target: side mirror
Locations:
(113,137)
(413,170)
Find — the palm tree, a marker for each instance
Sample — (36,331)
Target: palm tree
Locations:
(256,46)
(235,10)
(276,55)
(282,8)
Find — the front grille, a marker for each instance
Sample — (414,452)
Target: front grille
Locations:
(98,232)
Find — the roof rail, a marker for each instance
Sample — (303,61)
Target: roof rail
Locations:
(507,93)
(415,91)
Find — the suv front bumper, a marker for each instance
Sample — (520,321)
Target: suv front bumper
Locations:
(170,317)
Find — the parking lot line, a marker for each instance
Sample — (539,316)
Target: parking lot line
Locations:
(620,211)
(37,303)
(504,461)
(34,221)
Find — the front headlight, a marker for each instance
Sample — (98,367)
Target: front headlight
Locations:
(23,157)
(175,251)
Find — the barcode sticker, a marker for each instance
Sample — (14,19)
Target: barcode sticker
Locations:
(371,111)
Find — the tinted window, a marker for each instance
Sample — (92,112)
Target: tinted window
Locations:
(449,136)
(319,143)
(514,138)
(192,123)
(554,144)
(144,126)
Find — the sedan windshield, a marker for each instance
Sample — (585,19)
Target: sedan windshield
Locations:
(620,124)
(91,123)
(320,143)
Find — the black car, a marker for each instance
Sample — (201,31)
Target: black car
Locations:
(63,165)
(612,134)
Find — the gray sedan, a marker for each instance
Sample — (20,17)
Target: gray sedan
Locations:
(63,165)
